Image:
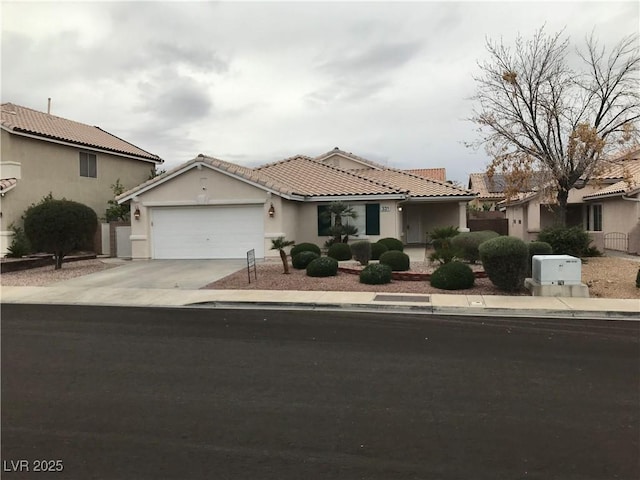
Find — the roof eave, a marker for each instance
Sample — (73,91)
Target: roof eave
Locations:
(94,148)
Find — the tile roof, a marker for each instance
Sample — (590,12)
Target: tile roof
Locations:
(439,174)
(305,177)
(627,171)
(7,184)
(309,177)
(416,185)
(18,119)
(350,155)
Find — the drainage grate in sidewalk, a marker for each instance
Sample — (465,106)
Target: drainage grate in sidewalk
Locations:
(402,298)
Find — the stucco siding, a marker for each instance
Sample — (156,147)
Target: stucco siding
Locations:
(47,167)
(343,162)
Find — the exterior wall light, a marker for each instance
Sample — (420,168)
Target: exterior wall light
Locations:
(136,213)
(271,211)
(399,209)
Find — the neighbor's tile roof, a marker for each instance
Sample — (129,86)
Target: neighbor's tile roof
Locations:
(26,120)
(417,186)
(350,155)
(627,171)
(439,174)
(487,188)
(7,184)
(309,177)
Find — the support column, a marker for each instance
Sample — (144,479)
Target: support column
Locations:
(462,217)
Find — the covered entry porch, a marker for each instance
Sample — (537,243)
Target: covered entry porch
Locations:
(421,217)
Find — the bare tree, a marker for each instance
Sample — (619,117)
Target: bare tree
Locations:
(538,113)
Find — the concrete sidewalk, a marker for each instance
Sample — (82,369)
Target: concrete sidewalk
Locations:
(482,305)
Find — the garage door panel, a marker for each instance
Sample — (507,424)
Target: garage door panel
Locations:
(207,232)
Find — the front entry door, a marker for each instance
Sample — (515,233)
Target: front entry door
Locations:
(413,227)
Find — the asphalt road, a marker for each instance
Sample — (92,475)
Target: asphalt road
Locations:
(137,393)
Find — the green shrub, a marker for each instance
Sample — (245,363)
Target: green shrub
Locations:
(302,259)
(566,240)
(323,267)
(378,249)
(445,255)
(453,276)
(537,248)
(20,245)
(305,247)
(441,236)
(592,252)
(392,244)
(361,251)
(638,279)
(398,261)
(376,274)
(467,243)
(59,227)
(505,261)
(340,251)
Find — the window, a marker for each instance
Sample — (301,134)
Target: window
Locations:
(367,222)
(88,165)
(594,217)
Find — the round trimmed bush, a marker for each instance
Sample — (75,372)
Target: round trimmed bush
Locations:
(398,261)
(340,251)
(377,249)
(305,247)
(566,240)
(392,244)
(467,243)
(505,262)
(453,276)
(303,259)
(361,251)
(323,267)
(375,274)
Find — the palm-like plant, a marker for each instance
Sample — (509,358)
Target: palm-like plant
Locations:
(280,244)
(339,210)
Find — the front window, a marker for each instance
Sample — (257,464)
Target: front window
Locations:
(88,165)
(594,217)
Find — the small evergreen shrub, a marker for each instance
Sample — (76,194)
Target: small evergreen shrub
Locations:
(505,261)
(340,251)
(303,259)
(441,237)
(305,247)
(361,251)
(537,248)
(376,274)
(445,255)
(398,261)
(20,245)
(453,276)
(323,267)
(566,240)
(378,249)
(467,243)
(392,244)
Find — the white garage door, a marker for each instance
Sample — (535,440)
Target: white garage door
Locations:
(207,232)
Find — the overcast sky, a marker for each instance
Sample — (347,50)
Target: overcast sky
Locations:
(255,82)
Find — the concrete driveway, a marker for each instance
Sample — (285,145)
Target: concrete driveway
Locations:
(181,274)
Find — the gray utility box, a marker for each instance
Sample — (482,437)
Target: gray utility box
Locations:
(556,270)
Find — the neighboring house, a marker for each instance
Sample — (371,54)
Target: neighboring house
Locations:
(608,207)
(489,190)
(42,153)
(209,208)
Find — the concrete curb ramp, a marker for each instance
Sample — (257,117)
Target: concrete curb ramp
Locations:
(441,304)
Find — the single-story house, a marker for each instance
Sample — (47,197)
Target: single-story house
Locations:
(210,208)
(607,206)
(42,153)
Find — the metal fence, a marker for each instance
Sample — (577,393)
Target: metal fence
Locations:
(616,241)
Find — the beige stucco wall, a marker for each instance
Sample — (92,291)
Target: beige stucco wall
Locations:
(307,221)
(203,186)
(48,167)
(345,163)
